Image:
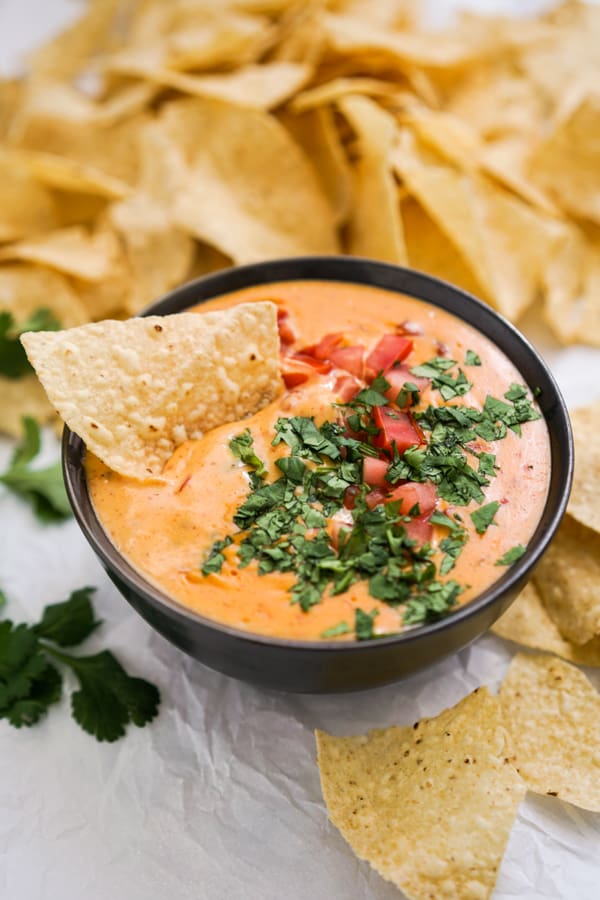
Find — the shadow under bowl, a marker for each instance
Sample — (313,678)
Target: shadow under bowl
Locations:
(329,666)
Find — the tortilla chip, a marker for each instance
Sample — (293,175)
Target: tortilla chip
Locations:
(25,288)
(71,175)
(448,198)
(135,390)
(588,331)
(430,806)
(22,397)
(527,623)
(584,504)
(257,87)
(317,134)
(563,281)
(158,253)
(73,251)
(429,250)
(505,161)
(553,715)
(249,190)
(568,577)
(567,162)
(375,225)
(26,206)
(331,91)
(69,52)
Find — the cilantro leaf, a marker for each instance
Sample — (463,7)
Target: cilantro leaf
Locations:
(483,517)
(512,555)
(472,359)
(108,698)
(43,488)
(215,558)
(242,446)
(13,359)
(363,624)
(335,630)
(71,622)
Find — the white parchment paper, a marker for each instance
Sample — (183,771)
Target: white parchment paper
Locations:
(219,798)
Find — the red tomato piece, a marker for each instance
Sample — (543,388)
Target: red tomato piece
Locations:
(292,378)
(350,495)
(349,358)
(420,530)
(346,387)
(414,493)
(321,366)
(287,334)
(326,345)
(374,472)
(374,498)
(397,378)
(394,428)
(391,348)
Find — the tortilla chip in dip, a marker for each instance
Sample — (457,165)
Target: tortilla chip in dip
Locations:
(553,715)
(134,390)
(429,805)
(527,623)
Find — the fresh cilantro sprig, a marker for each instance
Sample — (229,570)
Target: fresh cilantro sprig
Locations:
(13,359)
(242,447)
(437,369)
(43,488)
(483,517)
(511,556)
(108,699)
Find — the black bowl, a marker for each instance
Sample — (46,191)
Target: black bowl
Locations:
(321,666)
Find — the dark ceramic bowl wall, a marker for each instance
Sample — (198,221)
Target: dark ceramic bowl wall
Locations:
(328,665)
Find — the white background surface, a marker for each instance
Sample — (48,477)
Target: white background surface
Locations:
(220,798)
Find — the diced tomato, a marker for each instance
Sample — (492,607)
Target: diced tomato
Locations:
(374,472)
(419,529)
(413,493)
(346,387)
(292,378)
(391,348)
(397,378)
(322,366)
(374,498)
(349,358)
(326,345)
(287,334)
(350,495)
(394,428)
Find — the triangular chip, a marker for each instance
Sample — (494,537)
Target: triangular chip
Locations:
(584,504)
(553,715)
(135,390)
(527,623)
(72,251)
(568,578)
(430,806)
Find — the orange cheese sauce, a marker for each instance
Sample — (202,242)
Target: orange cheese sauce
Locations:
(166,526)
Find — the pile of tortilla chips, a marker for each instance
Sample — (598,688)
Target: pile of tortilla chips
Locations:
(431,805)
(152,142)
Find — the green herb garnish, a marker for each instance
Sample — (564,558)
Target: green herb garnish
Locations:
(242,446)
(336,630)
(483,517)
(363,624)
(471,358)
(512,555)
(108,698)
(43,488)
(13,359)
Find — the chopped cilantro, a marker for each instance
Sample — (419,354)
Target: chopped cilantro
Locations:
(471,358)
(242,446)
(13,359)
(483,517)
(42,488)
(336,630)
(363,624)
(512,555)
(108,698)
(215,558)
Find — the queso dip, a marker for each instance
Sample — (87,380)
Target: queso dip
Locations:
(400,472)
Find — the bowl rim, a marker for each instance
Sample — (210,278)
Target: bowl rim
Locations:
(361,270)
